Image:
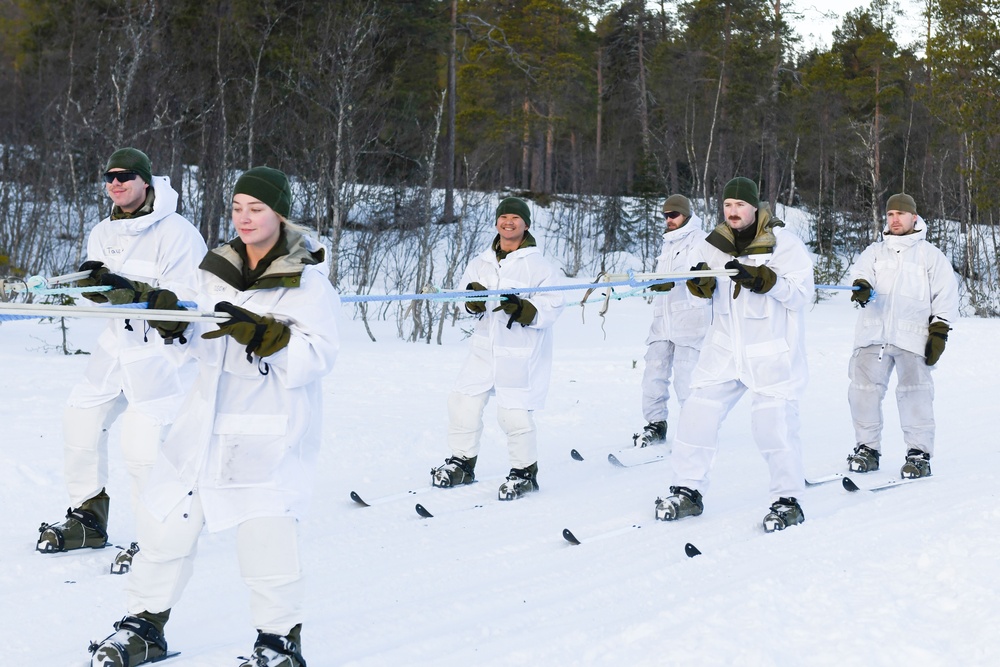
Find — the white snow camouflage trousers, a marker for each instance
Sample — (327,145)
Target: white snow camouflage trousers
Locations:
(869,371)
(465,429)
(775,426)
(267,550)
(662,357)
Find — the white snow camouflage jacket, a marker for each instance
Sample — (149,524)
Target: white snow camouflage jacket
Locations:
(759,339)
(162,249)
(515,363)
(678,315)
(248,434)
(914,285)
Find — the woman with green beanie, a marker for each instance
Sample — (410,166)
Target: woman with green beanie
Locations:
(241,453)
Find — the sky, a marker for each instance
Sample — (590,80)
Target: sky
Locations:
(819,18)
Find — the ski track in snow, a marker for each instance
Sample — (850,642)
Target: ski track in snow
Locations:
(903,577)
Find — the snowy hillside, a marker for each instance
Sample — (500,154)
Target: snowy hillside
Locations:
(905,577)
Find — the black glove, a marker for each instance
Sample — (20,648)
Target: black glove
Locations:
(122,289)
(164,299)
(662,287)
(704,286)
(475,307)
(520,310)
(96,268)
(936,339)
(757,279)
(260,333)
(863,294)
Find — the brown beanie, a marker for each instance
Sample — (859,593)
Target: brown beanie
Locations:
(901,202)
(678,204)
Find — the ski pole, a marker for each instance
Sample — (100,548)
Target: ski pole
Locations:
(129,311)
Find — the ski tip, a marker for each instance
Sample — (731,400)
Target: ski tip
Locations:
(422,511)
(569,536)
(356,498)
(577,456)
(613,460)
(691,550)
(849,485)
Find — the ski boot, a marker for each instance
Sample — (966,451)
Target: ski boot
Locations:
(784,512)
(85,527)
(681,503)
(276,650)
(519,482)
(454,472)
(864,459)
(136,641)
(123,561)
(653,433)
(918,464)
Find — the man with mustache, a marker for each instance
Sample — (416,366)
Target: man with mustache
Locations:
(755,343)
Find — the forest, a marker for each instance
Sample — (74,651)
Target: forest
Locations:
(396,118)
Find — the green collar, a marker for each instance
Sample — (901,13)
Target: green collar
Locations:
(145,209)
(282,266)
(737,245)
(527,242)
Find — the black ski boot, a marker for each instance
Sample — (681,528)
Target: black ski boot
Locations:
(653,433)
(85,527)
(520,481)
(276,650)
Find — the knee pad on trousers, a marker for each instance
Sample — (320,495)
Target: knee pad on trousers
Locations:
(85,449)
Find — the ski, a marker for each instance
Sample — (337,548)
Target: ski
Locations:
(389,498)
(573,539)
(819,481)
(166,656)
(691,550)
(426,514)
(637,456)
(575,455)
(849,484)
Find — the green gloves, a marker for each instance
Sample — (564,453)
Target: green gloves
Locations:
(520,310)
(164,299)
(260,333)
(863,294)
(704,286)
(757,279)
(122,290)
(475,307)
(662,287)
(937,337)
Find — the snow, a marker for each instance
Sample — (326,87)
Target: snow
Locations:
(907,576)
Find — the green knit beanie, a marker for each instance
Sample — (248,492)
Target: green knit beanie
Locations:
(515,206)
(131,159)
(678,204)
(901,202)
(743,189)
(269,186)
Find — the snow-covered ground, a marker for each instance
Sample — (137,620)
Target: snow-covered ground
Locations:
(905,577)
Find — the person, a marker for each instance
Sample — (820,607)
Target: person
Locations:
(142,245)
(755,343)
(680,320)
(242,451)
(511,355)
(905,327)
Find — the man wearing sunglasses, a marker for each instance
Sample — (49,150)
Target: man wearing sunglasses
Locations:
(144,246)
(680,320)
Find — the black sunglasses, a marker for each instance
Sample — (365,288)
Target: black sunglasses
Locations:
(666,214)
(122,176)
